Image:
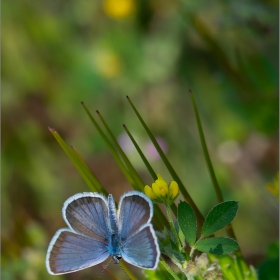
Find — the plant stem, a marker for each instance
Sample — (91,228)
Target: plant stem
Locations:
(127,270)
(170,220)
(167,267)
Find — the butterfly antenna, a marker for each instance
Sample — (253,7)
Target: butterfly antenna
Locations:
(125,272)
(104,268)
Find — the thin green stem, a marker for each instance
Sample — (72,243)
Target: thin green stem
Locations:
(88,172)
(149,167)
(133,172)
(167,267)
(111,148)
(80,165)
(218,191)
(192,251)
(160,220)
(127,270)
(217,188)
(200,218)
(170,220)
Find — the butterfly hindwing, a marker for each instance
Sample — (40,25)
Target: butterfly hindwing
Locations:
(139,242)
(69,252)
(141,249)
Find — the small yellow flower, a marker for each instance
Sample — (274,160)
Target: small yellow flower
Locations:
(161,192)
(149,192)
(119,8)
(160,188)
(173,190)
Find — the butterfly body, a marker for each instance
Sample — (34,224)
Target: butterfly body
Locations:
(97,231)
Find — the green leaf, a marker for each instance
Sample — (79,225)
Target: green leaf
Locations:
(180,233)
(217,245)
(187,221)
(219,216)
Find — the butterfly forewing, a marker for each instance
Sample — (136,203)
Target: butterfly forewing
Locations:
(87,213)
(69,252)
(142,249)
(135,210)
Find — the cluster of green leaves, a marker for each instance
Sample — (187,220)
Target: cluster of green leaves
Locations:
(186,227)
(218,218)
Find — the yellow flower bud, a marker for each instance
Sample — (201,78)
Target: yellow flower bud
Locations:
(173,190)
(160,188)
(149,192)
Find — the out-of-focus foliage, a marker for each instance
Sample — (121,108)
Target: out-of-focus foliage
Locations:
(58,53)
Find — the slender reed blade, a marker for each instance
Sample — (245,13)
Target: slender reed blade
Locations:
(159,217)
(218,191)
(89,172)
(133,172)
(111,148)
(75,160)
(217,188)
(159,220)
(147,164)
(167,267)
(171,170)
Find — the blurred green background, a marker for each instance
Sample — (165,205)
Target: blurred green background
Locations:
(58,53)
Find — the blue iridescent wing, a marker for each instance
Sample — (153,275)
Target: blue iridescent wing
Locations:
(69,251)
(141,249)
(135,210)
(87,213)
(85,243)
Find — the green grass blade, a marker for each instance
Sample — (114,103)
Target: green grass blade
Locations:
(218,191)
(89,172)
(133,172)
(174,175)
(77,163)
(167,267)
(147,164)
(111,148)
(159,219)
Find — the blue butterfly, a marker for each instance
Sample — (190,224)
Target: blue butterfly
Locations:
(97,231)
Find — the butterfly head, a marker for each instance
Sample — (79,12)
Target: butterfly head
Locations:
(117,258)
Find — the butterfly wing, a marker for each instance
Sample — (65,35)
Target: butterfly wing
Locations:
(69,251)
(85,243)
(87,214)
(139,242)
(141,249)
(135,210)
